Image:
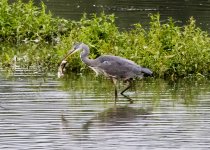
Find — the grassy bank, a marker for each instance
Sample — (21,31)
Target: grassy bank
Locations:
(31,37)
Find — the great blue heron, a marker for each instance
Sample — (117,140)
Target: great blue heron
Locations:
(114,67)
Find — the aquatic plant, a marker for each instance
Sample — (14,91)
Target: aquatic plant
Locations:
(168,49)
(31,37)
(28,34)
(25,22)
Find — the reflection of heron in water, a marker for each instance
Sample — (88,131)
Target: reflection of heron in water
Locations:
(114,67)
(114,116)
(117,115)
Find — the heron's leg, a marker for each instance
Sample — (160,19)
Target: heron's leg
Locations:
(128,86)
(129,82)
(115,88)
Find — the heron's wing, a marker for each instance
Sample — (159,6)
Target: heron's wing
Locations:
(115,58)
(117,67)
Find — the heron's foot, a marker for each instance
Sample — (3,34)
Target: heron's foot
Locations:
(129,99)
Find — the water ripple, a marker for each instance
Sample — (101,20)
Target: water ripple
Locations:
(45,114)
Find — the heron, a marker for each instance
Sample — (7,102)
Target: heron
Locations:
(114,67)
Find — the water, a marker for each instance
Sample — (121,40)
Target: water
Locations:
(79,113)
(129,12)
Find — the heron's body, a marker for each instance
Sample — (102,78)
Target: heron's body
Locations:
(117,67)
(114,67)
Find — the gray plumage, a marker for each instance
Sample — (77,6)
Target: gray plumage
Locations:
(114,67)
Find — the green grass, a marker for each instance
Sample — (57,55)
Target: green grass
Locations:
(39,40)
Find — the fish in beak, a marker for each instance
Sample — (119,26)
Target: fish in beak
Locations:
(61,68)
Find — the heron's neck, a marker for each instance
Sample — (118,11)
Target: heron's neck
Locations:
(84,56)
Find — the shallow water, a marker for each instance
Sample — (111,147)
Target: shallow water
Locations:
(79,113)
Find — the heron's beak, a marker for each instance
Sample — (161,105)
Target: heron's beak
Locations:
(72,51)
(61,68)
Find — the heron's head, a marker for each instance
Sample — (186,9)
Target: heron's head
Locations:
(61,68)
(77,47)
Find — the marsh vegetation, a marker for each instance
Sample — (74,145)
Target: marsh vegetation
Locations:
(32,38)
